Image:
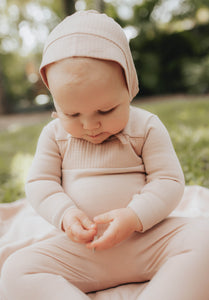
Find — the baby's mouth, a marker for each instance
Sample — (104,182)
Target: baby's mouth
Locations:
(94,135)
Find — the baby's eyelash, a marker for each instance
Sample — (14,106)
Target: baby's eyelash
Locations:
(74,115)
(106,112)
(101,112)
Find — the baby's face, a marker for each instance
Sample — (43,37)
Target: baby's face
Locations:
(90,96)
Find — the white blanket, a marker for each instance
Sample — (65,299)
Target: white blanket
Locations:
(20,226)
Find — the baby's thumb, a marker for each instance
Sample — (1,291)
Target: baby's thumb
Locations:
(103,219)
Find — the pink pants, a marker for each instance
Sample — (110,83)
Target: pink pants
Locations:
(172,257)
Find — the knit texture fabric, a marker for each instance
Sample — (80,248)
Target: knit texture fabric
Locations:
(90,34)
(137,167)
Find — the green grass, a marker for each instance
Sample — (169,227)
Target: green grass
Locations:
(188,124)
(16,152)
(186,120)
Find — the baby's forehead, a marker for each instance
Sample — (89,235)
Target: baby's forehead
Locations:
(85,68)
(85,73)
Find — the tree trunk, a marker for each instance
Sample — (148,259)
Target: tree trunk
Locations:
(99,5)
(69,7)
(3,104)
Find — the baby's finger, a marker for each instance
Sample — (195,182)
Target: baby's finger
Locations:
(70,230)
(79,234)
(104,218)
(107,240)
(86,222)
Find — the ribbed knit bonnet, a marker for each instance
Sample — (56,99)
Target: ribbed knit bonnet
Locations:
(90,34)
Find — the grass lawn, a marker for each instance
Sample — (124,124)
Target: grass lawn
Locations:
(187,120)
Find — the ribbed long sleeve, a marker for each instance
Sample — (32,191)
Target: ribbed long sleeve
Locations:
(138,168)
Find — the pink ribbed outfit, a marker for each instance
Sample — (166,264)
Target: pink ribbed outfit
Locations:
(138,168)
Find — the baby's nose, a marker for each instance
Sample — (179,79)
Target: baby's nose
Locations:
(91,124)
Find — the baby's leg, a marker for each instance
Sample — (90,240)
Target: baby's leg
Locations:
(43,271)
(184,271)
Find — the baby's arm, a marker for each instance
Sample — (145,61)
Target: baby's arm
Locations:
(164,177)
(43,187)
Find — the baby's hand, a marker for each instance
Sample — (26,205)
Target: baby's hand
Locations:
(122,223)
(78,227)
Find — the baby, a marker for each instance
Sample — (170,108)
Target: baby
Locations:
(106,174)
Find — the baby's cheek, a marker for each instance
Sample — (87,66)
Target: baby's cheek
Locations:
(72,127)
(116,125)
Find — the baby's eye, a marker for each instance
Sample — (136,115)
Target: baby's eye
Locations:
(73,115)
(101,112)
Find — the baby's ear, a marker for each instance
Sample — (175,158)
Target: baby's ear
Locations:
(54,115)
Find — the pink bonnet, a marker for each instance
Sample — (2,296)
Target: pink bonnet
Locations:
(90,34)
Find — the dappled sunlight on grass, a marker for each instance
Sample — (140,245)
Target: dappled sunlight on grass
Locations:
(13,188)
(192,147)
(17,148)
(19,168)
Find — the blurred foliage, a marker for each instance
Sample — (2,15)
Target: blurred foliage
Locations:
(185,119)
(173,62)
(169,41)
(166,54)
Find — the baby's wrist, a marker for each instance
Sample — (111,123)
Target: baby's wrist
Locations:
(138,223)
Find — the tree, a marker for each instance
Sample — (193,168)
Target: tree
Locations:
(69,7)
(99,5)
(3,106)
(171,48)
(17,21)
